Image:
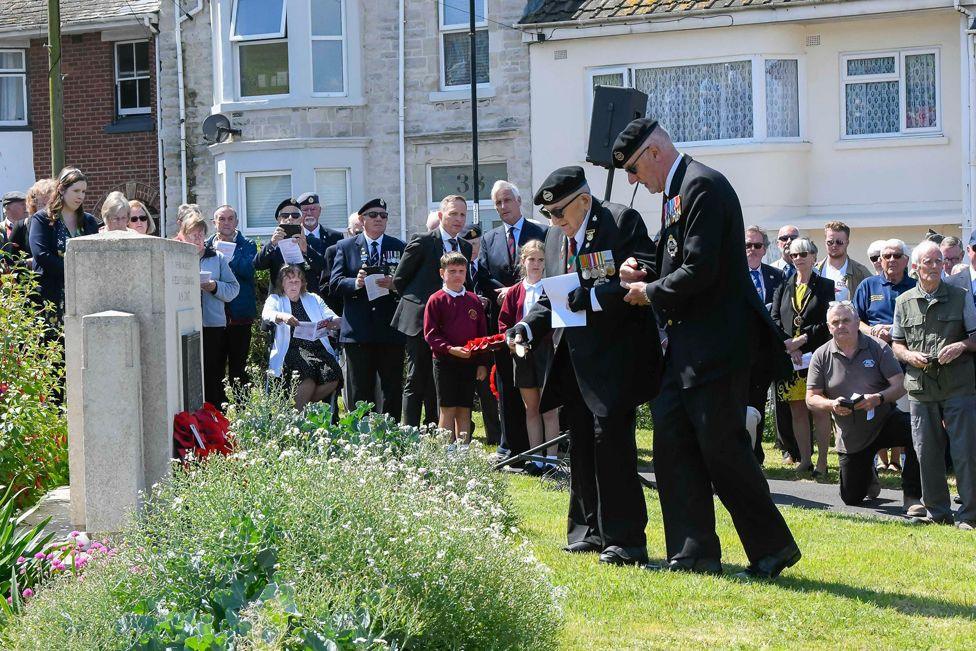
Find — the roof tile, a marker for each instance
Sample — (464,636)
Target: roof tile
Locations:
(32,14)
(556,11)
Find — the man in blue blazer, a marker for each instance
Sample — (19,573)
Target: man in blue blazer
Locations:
(499,256)
(765,278)
(372,347)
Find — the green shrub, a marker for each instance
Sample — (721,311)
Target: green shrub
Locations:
(33,428)
(362,535)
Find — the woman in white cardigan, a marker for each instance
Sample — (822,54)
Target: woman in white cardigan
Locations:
(312,361)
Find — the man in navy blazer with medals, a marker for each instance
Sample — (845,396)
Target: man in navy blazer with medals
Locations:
(715,322)
(599,372)
(499,255)
(372,347)
(416,278)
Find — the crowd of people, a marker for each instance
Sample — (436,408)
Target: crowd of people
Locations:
(878,358)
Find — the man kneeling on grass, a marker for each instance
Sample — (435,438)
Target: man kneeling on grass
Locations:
(452,318)
(857,379)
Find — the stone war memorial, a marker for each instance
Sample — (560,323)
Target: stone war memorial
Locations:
(133,360)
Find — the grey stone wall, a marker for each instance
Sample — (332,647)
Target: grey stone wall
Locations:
(437,129)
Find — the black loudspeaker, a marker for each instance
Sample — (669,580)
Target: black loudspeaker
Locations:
(613,109)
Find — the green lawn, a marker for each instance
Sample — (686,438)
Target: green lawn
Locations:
(861,584)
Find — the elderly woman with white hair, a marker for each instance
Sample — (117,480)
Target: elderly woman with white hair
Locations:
(874,254)
(115,213)
(800,309)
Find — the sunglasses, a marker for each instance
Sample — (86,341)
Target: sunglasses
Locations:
(754,245)
(290,215)
(787,238)
(381,215)
(836,242)
(557,213)
(801,254)
(632,169)
(874,258)
(892,256)
(138,218)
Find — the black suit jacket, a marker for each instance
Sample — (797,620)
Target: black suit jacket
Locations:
(700,287)
(616,358)
(417,277)
(772,278)
(328,294)
(363,321)
(494,252)
(814,313)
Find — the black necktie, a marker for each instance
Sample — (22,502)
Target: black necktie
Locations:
(374,254)
(454,244)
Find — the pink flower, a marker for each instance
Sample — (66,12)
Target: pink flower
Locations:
(10,600)
(28,593)
(21,560)
(74,534)
(39,555)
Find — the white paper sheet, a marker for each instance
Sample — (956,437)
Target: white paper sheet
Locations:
(226,248)
(374,291)
(558,289)
(804,362)
(310,330)
(204,277)
(290,251)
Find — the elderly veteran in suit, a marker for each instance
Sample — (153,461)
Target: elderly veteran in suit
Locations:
(416,278)
(373,349)
(700,289)
(600,372)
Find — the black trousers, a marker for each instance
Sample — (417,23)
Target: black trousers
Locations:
(857,468)
(700,441)
(760,377)
(238,345)
(513,436)
(214,359)
(374,373)
(785,439)
(489,410)
(419,392)
(606,501)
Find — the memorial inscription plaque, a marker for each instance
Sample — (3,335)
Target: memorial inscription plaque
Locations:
(192,371)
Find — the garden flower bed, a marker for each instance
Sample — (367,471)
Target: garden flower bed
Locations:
(361,535)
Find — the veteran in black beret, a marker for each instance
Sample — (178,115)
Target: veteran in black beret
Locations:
(288,214)
(700,290)
(372,348)
(600,372)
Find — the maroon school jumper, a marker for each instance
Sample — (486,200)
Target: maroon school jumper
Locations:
(454,321)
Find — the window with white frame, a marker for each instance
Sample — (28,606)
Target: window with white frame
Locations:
(454,23)
(13,88)
(260,194)
(259,32)
(328,47)
(891,93)
(749,99)
(457,179)
(132,87)
(332,186)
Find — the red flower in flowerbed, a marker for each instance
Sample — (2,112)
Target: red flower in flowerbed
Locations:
(485,344)
(203,432)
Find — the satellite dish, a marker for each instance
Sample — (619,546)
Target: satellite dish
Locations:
(216,128)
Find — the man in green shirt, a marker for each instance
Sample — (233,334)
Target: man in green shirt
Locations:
(933,336)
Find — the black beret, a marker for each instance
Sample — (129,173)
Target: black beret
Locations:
(375,203)
(559,185)
(471,231)
(290,201)
(308,199)
(630,139)
(12,197)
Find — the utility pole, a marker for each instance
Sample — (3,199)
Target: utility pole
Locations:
(55,86)
(472,69)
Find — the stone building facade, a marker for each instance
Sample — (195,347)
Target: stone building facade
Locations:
(318,108)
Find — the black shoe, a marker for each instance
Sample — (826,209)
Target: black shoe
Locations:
(616,555)
(534,469)
(695,566)
(583,547)
(769,567)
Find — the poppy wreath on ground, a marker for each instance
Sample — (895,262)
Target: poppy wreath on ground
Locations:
(204,432)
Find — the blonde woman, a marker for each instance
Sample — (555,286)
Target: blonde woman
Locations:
(39,195)
(115,213)
(530,370)
(140,219)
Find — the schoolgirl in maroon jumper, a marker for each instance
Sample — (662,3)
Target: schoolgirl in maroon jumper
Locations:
(530,370)
(453,317)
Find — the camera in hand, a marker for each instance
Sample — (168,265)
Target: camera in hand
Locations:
(291,230)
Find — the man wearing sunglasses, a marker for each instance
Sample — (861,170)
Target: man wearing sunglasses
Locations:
(875,296)
(846,272)
(601,372)
(700,290)
(289,213)
(784,238)
(372,348)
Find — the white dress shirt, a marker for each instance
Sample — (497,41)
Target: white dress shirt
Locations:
(450,292)
(533,291)
(674,168)
(445,240)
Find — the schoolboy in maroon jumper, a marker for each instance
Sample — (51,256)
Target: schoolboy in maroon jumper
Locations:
(452,318)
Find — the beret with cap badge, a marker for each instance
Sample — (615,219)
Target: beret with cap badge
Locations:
(375,203)
(308,199)
(631,139)
(290,201)
(471,231)
(559,185)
